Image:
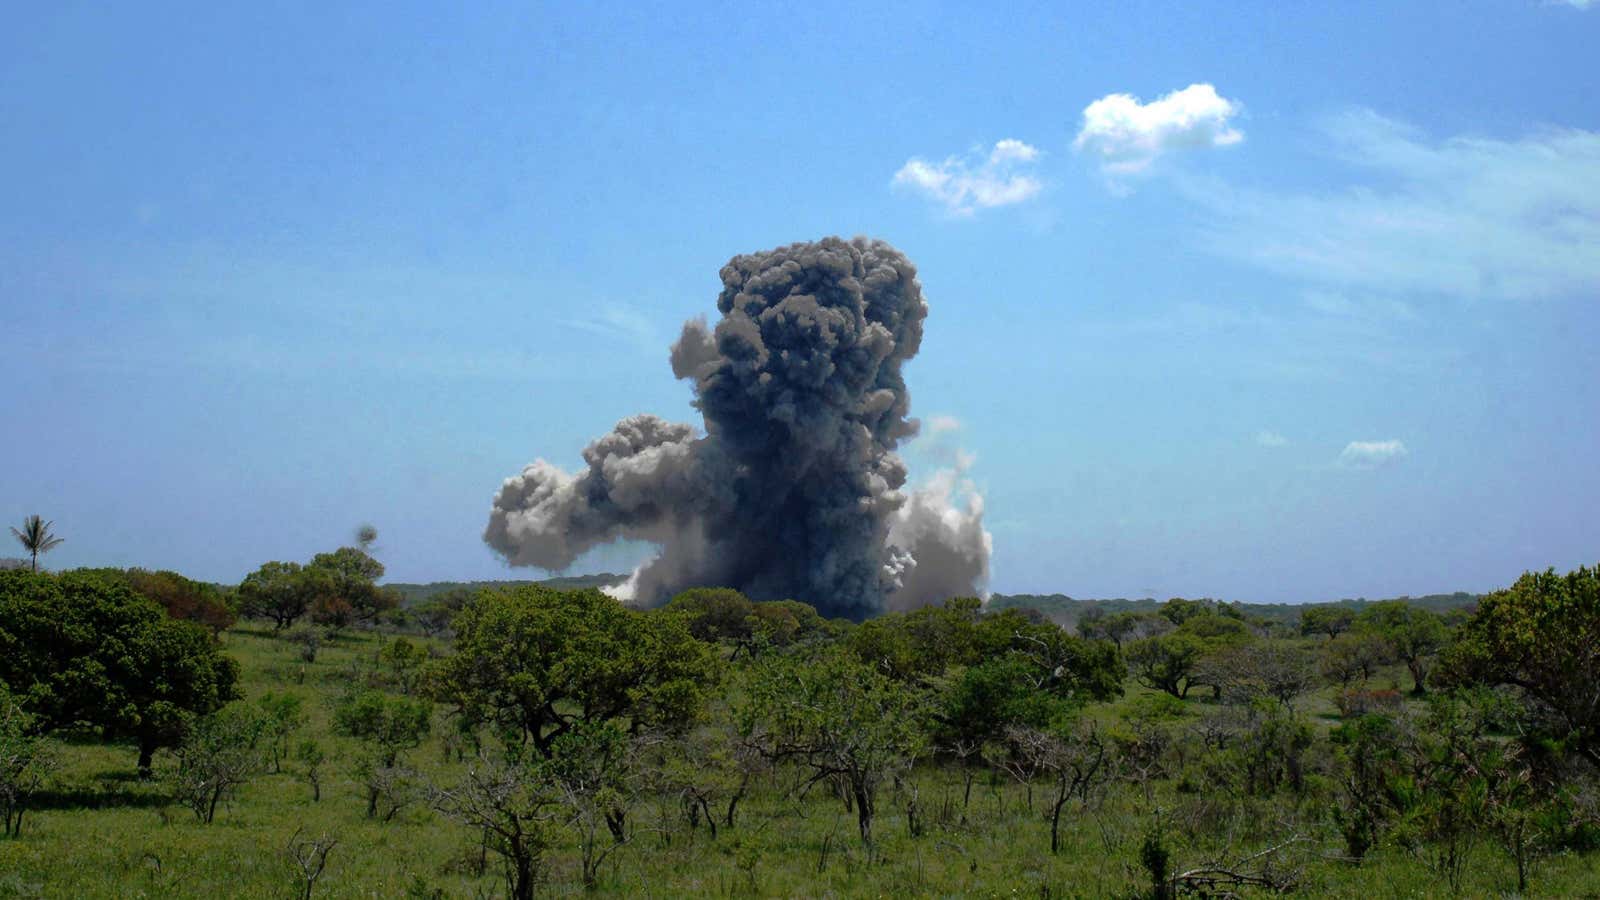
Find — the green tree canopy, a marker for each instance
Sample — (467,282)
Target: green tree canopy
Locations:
(280,591)
(1330,619)
(81,649)
(534,662)
(1541,635)
(1414,634)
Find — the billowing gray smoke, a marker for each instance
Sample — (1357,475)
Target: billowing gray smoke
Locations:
(794,491)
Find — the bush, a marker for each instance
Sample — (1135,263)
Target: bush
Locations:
(1357,702)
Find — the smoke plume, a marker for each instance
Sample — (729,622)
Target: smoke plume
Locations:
(794,490)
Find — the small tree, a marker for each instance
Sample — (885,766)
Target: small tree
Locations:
(515,806)
(281,718)
(312,755)
(1279,670)
(220,752)
(25,761)
(35,537)
(838,718)
(1331,619)
(1167,663)
(404,661)
(1072,754)
(594,770)
(310,858)
(386,726)
(1354,656)
(280,591)
(1414,634)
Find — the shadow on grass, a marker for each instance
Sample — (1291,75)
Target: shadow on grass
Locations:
(97,798)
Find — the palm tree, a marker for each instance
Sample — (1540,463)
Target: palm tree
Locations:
(36,537)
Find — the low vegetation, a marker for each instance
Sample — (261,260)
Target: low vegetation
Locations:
(305,736)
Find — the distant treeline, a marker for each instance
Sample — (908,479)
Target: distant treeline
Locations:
(412,594)
(1064,609)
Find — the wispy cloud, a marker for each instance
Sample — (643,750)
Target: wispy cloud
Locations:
(941,424)
(965,184)
(620,323)
(1460,217)
(1268,438)
(1372,454)
(1128,136)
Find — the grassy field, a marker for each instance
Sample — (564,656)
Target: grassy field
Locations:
(100,832)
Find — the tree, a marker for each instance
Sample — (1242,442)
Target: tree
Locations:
(435,615)
(1541,635)
(839,718)
(220,751)
(280,591)
(1167,663)
(516,807)
(1331,619)
(536,662)
(35,537)
(1279,670)
(1413,633)
(1352,656)
(386,726)
(80,649)
(281,718)
(348,589)
(183,598)
(1072,753)
(25,761)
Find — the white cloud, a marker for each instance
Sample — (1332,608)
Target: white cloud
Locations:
(1268,438)
(963,184)
(1128,136)
(1372,454)
(620,323)
(942,424)
(1461,217)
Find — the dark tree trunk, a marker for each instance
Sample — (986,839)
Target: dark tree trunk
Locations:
(864,813)
(1055,815)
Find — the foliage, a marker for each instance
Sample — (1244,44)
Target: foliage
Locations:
(220,751)
(1414,635)
(1167,663)
(281,717)
(1275,670)
(347,590)
(536,662)
(182,598)
(26,760)
(280,591)
(1326,618)
(839,718)
(435,614)
(1354,656)
(1541,635)
(404,661)
(79,649)
(386,726)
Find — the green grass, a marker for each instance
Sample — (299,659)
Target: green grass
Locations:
(103,833)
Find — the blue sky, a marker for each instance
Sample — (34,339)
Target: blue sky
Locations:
(1320,326)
